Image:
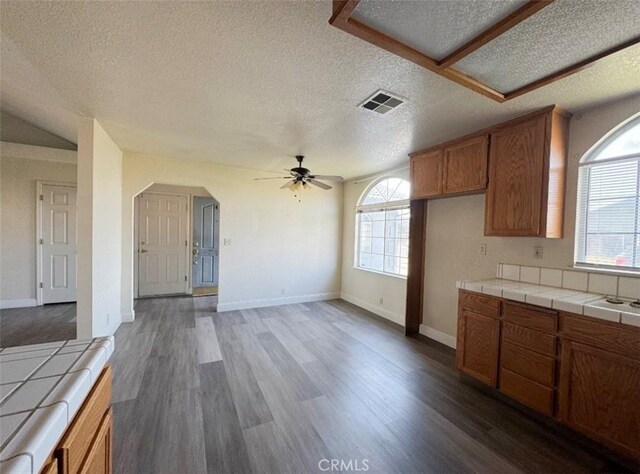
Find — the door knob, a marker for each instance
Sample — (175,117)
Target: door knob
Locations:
(195,251)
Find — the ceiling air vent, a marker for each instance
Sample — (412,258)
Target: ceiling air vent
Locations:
(382,102)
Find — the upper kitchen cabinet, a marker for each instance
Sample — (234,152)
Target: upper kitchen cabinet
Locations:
(459,167)
(426,174)
(465,166)
(527,161)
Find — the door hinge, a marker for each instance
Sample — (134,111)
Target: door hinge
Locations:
(185,278)
(41,285)
(186,243)
(42,197)
(41,241)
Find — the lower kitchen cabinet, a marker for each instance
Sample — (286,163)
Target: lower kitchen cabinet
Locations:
(479,336)
(86,447)
(583,372)
(599,395)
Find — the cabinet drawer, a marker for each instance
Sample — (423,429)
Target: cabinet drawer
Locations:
(75,445)
(531,317)
(481,304)
(537,367)
(529,338)
(527,392)
(614,337)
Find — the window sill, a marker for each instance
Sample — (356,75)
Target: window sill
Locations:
(605,271)
(392,275)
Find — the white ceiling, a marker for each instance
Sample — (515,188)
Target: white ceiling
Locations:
(248,83)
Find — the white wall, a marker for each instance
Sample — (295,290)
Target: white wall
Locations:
(277,243)
(20,167)
(362,287)
(455,228)
(99,231)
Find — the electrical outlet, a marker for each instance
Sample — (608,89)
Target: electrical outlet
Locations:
(483,249)
(227,241)
(381,300)
(283,291)
(537,252)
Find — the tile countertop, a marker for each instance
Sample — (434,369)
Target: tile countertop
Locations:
(578,302)
(41,388)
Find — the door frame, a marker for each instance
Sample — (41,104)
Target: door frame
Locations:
(39,192)
(136,250)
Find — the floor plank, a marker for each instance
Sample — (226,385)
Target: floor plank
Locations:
(281,389)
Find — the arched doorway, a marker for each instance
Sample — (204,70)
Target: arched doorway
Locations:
(176,242)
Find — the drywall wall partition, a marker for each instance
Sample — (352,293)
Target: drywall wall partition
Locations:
(456,226)
(361,287)
(275,249)
(99,231)
(21,166)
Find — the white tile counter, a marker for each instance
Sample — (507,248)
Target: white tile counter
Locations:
(41,388)
(563,299)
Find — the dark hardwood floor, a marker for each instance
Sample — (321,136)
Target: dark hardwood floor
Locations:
(48,323)
(282,389)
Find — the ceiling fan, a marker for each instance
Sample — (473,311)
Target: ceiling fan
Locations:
(301,178)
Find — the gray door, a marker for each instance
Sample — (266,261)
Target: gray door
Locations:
(206,227)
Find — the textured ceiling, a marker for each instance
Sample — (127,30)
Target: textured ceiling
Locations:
(561,34)
(430,28)
(248,84)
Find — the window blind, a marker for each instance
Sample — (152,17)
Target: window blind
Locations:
(608,211)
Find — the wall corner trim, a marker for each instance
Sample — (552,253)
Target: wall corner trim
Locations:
(23,303)
(438,336)
(396,318)
(129,317)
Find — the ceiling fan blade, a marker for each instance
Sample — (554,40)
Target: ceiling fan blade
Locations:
(328,178)
(288,184)
(319,184)
(279,177)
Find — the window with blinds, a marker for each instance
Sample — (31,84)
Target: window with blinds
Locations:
(383,228)
(608,213)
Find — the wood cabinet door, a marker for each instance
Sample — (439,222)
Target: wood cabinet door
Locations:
(426,174)
(514,204)
(599,395)
(477,346)
(465,166)
(98,459)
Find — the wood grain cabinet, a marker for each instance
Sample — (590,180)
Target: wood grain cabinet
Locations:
(426,174)
(86,446)
(599,391)
(525,194)
(465,166)
(581,371)
(528,355)
(457,168)
(478,337)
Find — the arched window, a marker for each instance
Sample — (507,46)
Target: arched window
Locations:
(383,227)
(608,212)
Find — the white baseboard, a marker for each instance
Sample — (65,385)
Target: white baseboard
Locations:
(24,303)
(438,336)
(129,317)
(233,306)
(385,313)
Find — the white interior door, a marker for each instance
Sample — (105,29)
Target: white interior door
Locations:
(58,242)
(162,244)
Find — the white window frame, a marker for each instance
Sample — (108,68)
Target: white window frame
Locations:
(588,161)
(377,207)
